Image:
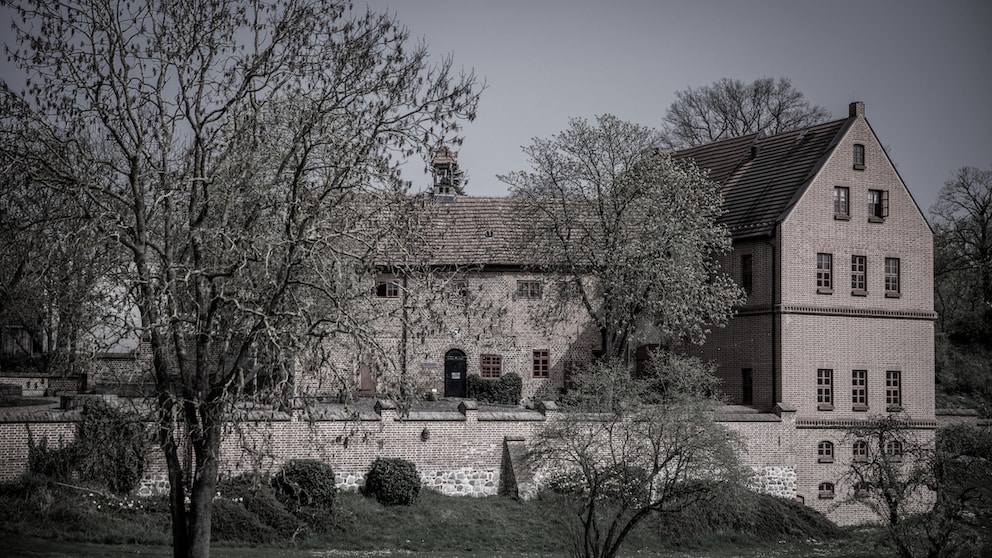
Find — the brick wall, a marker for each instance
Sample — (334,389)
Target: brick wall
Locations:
(456,452)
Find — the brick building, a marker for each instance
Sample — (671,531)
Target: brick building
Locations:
(834,253)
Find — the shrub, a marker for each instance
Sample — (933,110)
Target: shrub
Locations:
(233,522)
(111,446)
(304,483)
(393,482)
(505,390)
(56,464)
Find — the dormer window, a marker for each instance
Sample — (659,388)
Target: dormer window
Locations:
(859,156)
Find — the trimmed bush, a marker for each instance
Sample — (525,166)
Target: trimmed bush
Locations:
(306,483)
(393,482)
(506,390)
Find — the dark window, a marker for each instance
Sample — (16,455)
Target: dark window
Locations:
(824,281)
(542,363)
(859,389)
(387,288)
(841,207)
(892,277)
(529,289)
(878,205)
(642,360)
(747,386)
(747,272)
(858,266)
(893,389)
(860,450)
(861,489)
(859,157)
(825,389)
(893,450)
(826,490)
(825,452)
(490,366)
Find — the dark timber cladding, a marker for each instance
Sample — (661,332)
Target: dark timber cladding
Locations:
(763,176)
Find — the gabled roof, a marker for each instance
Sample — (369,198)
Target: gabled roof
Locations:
(761,176)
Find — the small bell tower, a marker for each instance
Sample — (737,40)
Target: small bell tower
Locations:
(448,177)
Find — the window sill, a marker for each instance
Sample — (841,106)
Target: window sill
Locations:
(824,290)
(874,219)
(859,292)
(859,408)
(893,295)
(824,407)
(859,166)
(825,460)
(842,217)
(859,459)
(826,496)
(893,409)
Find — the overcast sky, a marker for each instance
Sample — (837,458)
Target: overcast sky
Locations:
(922,68)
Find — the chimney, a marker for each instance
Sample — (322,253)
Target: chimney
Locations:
(856,108)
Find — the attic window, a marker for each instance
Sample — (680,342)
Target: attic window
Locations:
(859,156)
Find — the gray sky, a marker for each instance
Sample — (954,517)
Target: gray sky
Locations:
(922,68)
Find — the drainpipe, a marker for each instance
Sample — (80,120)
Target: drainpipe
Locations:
(774,314)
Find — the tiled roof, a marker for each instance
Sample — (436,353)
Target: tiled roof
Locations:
(477,230)
(757,192)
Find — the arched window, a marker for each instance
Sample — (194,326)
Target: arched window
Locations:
(825,452)
(826,490)
(860,450)
(861,489)
(859,156)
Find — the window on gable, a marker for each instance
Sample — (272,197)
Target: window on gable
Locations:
(824,389)
(893,390)
(490,366)
(859,452)
(387,288)
(842,209)
(858,282)
(878,205)
(541,363)
(530,290)
(826,490)
(825,452)
(859,156)
(824,278)
(747,272)
(892,277)
(859,390)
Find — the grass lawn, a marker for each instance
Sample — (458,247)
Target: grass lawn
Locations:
(17,546)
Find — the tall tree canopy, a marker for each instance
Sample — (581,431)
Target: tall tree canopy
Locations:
(234,151)
(629,234)
(962,219)
(730,108)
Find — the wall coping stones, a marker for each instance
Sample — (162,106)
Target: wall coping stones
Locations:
(516,415)
(746,417)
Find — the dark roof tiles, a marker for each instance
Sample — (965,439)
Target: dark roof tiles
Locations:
(758,191)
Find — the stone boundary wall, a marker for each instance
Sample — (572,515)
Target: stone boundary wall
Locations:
(458,452)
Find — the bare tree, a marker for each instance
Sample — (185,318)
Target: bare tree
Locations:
(962,218)
(730,108)
(631,447)
(236,152)
(932,498)
(628,234)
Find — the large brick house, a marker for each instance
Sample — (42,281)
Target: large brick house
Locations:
(837,261)
(832,250)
